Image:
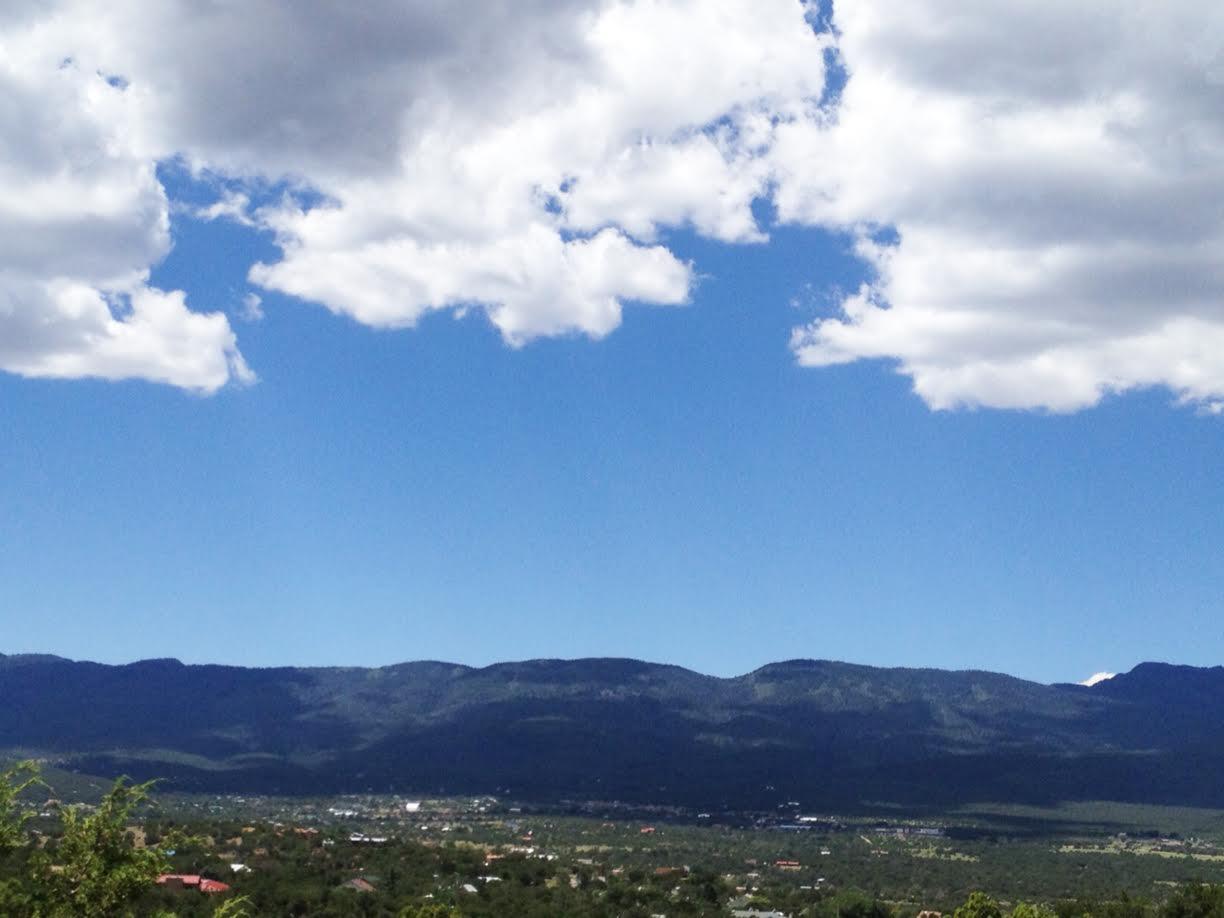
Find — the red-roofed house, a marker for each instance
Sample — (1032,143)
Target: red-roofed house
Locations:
(192,881)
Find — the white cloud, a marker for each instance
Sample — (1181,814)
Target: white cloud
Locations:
(252,307)
(1053,172)
(232,205)
(1096,678)
(83,217)
(543,211)
(521,160)
(70,330)
(532,283)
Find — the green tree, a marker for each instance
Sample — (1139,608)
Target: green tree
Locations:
(1027,910)
(14,814)
(234,908)
(979,905)
(96,871)
(15,896)
(1201,900)
(852,903)
(432,910)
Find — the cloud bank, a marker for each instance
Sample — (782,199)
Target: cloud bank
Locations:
(1052,172)
(1032,186)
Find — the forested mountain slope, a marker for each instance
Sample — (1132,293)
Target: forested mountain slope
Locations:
(822,732)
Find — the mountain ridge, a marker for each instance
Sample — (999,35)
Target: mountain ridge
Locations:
(829,732)
(45,657)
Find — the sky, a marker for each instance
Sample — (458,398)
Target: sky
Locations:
(712,333)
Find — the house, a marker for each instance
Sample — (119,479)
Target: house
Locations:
(192,881)
(360,884)
(179,880)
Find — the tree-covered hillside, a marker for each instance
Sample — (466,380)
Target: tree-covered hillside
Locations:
(828,733)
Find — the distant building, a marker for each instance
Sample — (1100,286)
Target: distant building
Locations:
(360,884)
(192,881)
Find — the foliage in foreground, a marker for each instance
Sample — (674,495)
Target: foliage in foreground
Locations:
(89,867)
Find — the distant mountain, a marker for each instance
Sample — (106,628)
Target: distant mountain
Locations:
(828,734)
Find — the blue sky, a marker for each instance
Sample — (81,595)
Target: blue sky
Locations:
(742,373)
(681,491)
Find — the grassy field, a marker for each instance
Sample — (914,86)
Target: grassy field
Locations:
(1097,818)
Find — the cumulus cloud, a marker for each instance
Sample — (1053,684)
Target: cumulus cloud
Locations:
(83,217)
(1031,186)
(1052,173)
(521,161)
(544,209)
